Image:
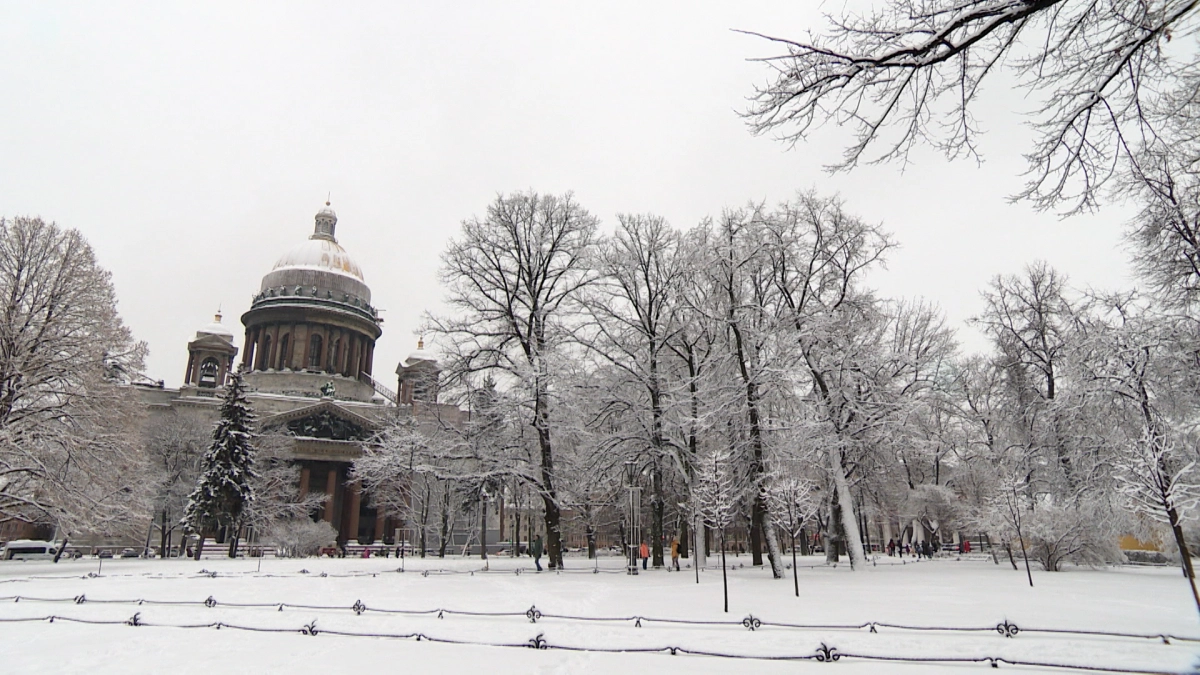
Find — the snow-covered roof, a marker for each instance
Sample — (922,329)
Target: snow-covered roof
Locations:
(319,253)
(215,328)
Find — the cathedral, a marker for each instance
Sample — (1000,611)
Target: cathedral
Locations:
(308,362)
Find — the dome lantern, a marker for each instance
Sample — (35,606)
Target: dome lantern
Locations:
(326,225)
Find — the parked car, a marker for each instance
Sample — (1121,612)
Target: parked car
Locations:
(104,553)
(128,553)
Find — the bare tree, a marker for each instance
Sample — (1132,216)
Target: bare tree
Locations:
(913,71)
(635,306)
(69,448)
(1030,320)
(1164,181)
(175,441)
(819,254)
(276,486)
(792,504)
(1145,362)
(720,486)
(510,278)
(744,301)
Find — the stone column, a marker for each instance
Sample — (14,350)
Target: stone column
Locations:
(190,377)
(330,492)
(355,504)
(305,476)
(362,356)
(264,345)
(272,357)
(380,523)
(302,332)
(248,354)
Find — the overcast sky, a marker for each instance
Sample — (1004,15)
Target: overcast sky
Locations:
(193,143)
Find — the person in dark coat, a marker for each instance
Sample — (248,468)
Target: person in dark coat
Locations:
(535,550)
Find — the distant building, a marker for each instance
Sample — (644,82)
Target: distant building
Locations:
(308,360)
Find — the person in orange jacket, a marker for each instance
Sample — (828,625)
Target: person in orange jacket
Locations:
(675,553)
(644,552)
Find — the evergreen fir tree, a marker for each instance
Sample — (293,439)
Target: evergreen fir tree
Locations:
(225,487)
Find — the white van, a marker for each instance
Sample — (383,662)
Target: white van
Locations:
(29,549)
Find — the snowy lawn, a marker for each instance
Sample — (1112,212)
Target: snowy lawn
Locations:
(942,593)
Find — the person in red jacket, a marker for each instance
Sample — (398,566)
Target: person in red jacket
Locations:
(644,552)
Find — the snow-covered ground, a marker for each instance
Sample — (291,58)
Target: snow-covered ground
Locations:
(942,593)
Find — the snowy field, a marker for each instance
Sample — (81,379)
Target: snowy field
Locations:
(322,593)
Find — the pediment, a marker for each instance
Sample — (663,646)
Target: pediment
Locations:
(325,420)
(213,342)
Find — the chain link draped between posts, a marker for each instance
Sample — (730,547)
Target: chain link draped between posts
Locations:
(533,615)
(824,653)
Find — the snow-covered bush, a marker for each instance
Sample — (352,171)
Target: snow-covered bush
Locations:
(300,537)
(1078,533)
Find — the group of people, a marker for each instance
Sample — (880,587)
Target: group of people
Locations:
(643,553)
(921,549)
(536,548)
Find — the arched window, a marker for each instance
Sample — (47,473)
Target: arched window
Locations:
(285,354)
(314,352)
(208,372)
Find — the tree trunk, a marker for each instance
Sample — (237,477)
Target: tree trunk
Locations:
(62,546)
(1011,559)
(684,538)
(854,545)
(774,553)
(235,533)
(756,558)
(164,538)
(1184,554)
(444,540)
(795,569)
(724,576)
(541,422)
(553,531)
(656,511)
(591,541)
(199,545)
(149,533)
(483,509)
(516,530)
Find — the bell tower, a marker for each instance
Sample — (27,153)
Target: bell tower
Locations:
(210,356)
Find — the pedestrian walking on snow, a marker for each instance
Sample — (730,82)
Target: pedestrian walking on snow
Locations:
(535,550)
(644,552)
(675,553)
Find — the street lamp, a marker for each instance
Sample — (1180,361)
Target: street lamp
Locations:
(631,474)
(483,515)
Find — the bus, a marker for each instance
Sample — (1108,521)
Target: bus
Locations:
(29,549)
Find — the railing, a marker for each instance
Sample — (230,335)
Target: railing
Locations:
(436,615)
(383,391)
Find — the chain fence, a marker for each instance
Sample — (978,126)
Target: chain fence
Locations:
(533,614)
(824,653)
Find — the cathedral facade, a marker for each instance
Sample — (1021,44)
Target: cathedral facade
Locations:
(308,364)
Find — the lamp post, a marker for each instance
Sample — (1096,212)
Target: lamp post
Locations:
(631,473)
(483,514)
